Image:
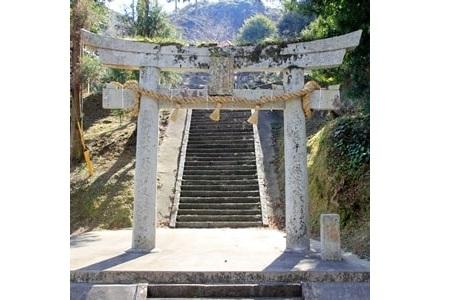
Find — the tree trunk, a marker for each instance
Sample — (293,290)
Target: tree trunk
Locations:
(76,150)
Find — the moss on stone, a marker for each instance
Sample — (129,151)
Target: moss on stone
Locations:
(338,185)
(160,41)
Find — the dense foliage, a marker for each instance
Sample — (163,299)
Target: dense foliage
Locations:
(291,24)
(255,29)
(335,17)
(152,22)
(338,176)
(90,14)
(350,140)
(145,23)
(91,71)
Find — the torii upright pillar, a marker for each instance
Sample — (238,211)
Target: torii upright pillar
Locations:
(296,173)
(144,211)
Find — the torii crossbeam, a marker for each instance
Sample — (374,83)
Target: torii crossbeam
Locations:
(221,63)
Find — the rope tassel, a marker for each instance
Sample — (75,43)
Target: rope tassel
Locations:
(254,117)
(309,87)
(173,115)
(215,115)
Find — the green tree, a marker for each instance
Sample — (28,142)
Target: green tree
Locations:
(291,23)
(256,29)
(92,72)
(92,15)
(335,17)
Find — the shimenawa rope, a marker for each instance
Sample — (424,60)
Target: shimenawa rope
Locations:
(303,93)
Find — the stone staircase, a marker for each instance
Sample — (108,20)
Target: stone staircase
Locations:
(220,184)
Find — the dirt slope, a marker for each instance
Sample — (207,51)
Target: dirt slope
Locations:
(105,199)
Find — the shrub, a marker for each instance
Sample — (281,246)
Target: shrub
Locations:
(255,29)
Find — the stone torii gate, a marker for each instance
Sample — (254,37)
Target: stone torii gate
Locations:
(221,63)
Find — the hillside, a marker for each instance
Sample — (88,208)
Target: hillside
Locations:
(338,174)
(339,179)
(105,200)
(218,21)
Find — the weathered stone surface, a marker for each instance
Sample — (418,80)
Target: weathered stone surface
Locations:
(221,78)
(336,291)
(86,291)
(330,237)
(181,164)
(259,156)
(182,63)
(311,61)
(117,98)
(325,53)
(242,256)
(346,41)
(324,99)
(144,210)
(135,60)
(296,177)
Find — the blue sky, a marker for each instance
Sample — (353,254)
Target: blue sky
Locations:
(118,5)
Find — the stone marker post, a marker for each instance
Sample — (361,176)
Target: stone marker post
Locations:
(296,177)
(330,238)
(144,211)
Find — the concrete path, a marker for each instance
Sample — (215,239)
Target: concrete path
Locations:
(194,250)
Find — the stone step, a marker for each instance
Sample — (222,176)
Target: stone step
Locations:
(228,157)
(224,115)
(220,154)
(219,172)
(250,146)
(223,167)
(219,177)
(218,218)
(249,162)
(219,211)
(241,199)
(222,139)
(208,122)
(231,134)
(219,193)
(225,290)
(221,125)
(226,112)
(219,206)
(219,131)
(224,149)
(222,182)
(222,142)
(220,187)
(216,138)
(222,224)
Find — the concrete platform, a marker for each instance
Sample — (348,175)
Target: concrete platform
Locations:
(226,256)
